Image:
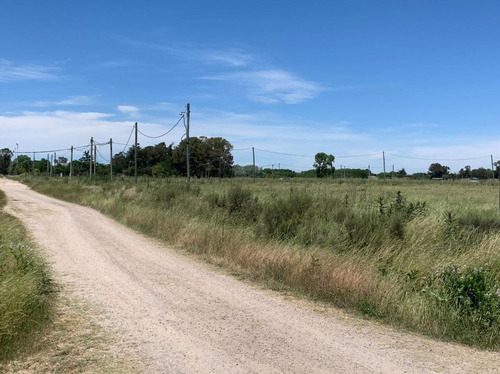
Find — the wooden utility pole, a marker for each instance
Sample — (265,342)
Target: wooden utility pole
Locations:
(253,154)
(111,159)
(71,164)
(188,114)
(135,155)
(91,152)
(95,159)
(383,155)
(492,169)
(48,165)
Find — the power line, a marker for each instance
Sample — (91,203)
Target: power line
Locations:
(103,143)
(126,145)
(100,154)
(309,156)
(281,153)
(54,150)
(159,136)
(437,158)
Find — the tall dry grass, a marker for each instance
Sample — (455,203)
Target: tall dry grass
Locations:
(379,249)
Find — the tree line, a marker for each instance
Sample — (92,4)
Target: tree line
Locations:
(211,157)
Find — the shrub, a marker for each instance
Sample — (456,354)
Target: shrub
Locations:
(282,217)
(474,293)
(238,198)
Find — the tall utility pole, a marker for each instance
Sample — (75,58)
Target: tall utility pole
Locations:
(383,155)
(188,114)
(91,152)
(110,159)
(95,159)
(135,155)
(253,154)
(71,164)
(48,165)
(492,169)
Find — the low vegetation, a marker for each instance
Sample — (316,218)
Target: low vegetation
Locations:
(26,287)
(421,255)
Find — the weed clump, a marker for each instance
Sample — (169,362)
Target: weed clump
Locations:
(239,202)
(282,217)
(399,213)
(471,293)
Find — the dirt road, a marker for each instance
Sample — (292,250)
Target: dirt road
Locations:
(178,316)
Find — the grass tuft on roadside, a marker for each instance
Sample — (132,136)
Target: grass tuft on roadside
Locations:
(26,287)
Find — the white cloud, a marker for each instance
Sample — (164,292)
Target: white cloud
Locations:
(272,86)
(10,72)
(128,109)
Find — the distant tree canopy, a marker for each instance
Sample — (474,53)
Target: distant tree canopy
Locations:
(480,173)
(208,157)
(5,159)
(324,164)
(437,170)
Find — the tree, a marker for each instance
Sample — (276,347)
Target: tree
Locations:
(208,157)
(5,159)
(23,164)
(324,164)
(481,173)
(401,173)
(465,172)
(437,170)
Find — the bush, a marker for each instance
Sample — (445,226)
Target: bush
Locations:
(474,293)
(238,198)
(282,217)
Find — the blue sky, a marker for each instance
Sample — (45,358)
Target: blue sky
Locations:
(411,78)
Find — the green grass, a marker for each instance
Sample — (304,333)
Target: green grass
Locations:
(26,287)
(381,249)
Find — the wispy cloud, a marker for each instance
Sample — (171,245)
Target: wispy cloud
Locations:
(272,86)
(261,84)
(10,71)
(229,58)
(224,57)
(80,100)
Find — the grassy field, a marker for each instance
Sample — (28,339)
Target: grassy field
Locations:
(419,255)
(25,287)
